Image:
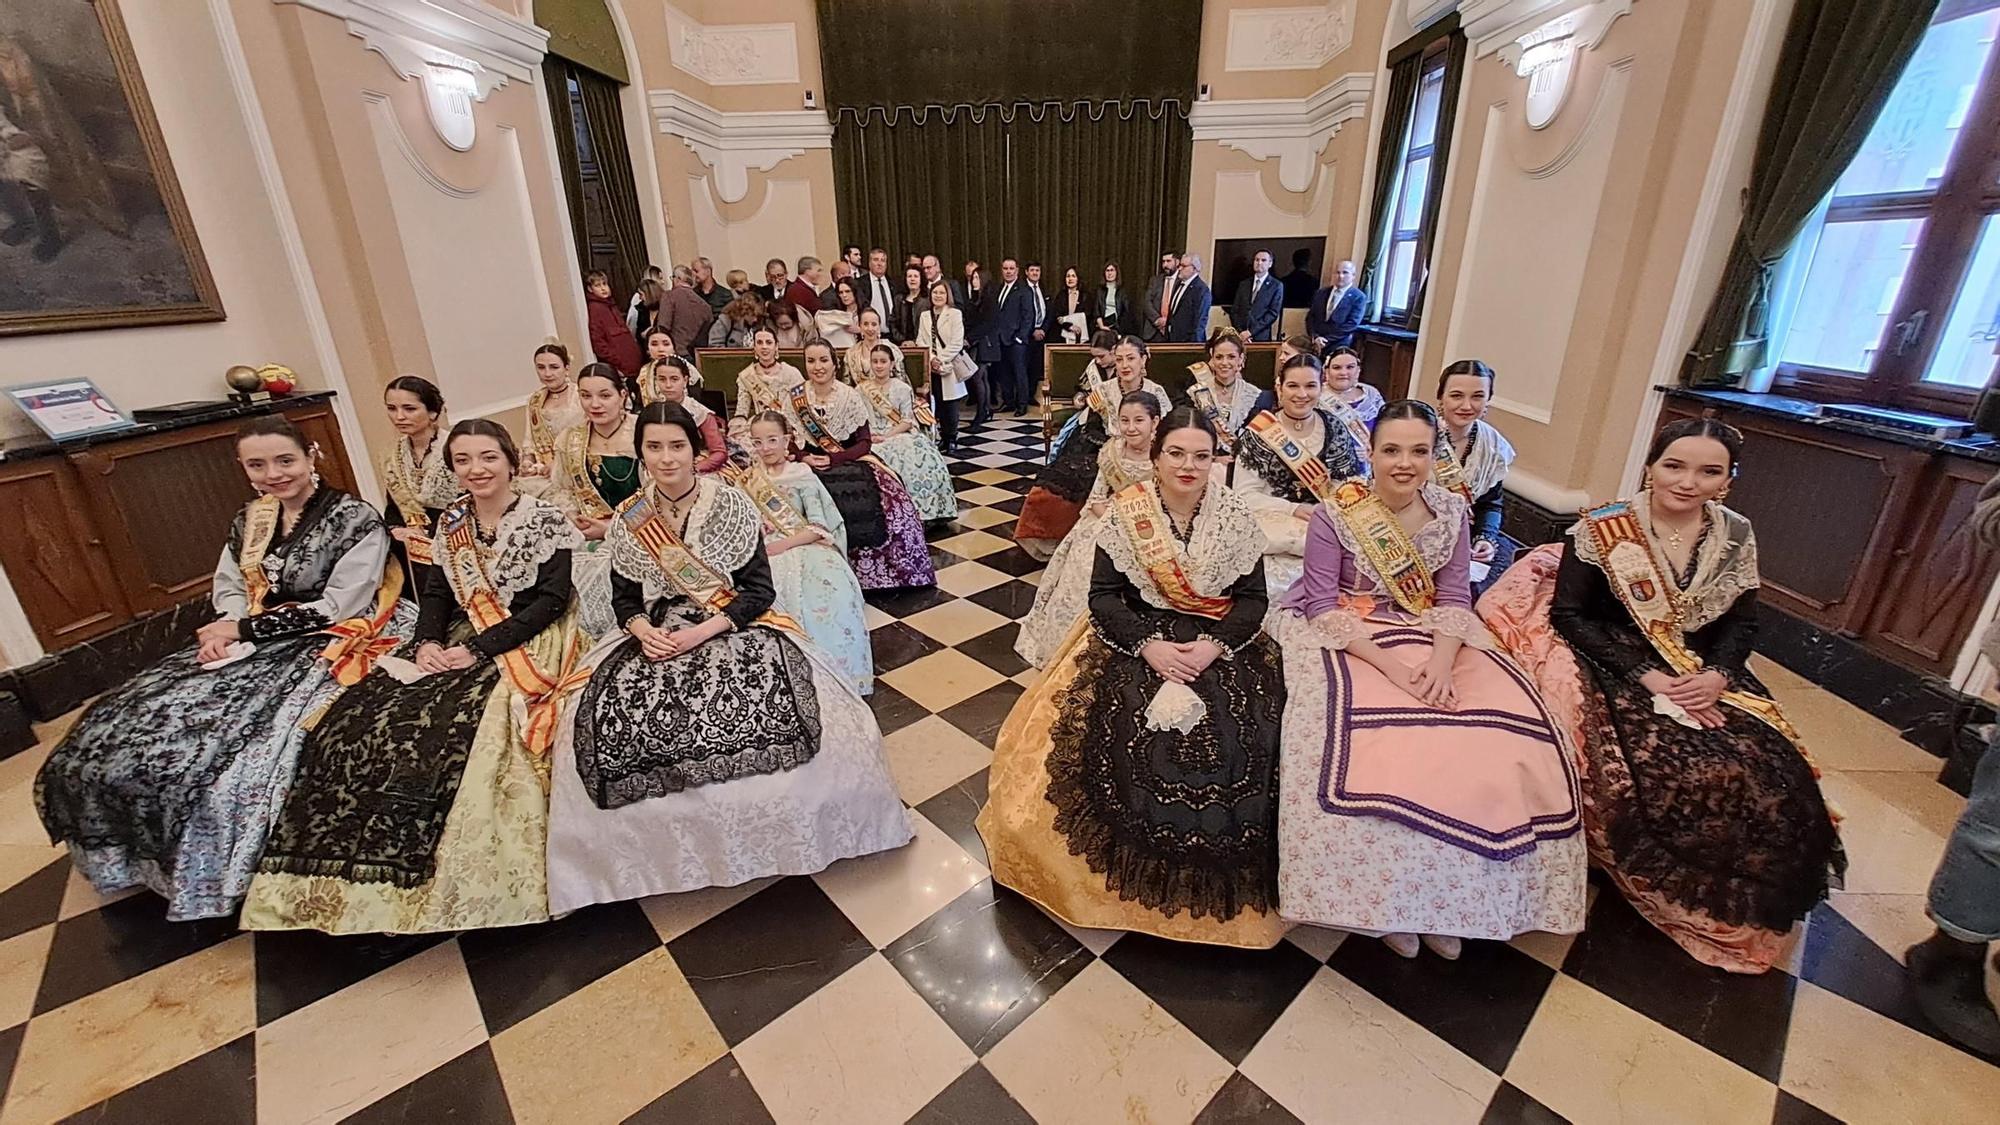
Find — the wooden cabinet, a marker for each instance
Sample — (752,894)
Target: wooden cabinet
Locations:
(125,527)
(1388,360)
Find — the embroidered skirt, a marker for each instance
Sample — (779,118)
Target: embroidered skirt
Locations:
(922,469)
(904,558)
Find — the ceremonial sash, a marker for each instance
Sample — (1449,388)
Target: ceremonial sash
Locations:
(772,506)
(1148,529)
(649,383)
(260,526)
(1448,470)
(682,568)
(539,434)
(880,399)
(1112,468)
(1388,546)
(1311,472)
(1094,394)
(813,422)
(541,691)
(1626,556)
(359,641)
(763,395)
(572,448)
(405,491)
(1356,428)
(1201,393)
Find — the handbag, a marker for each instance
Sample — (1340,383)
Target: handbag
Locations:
(962,369)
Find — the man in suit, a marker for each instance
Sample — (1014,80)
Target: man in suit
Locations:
(934,273)
(1260,301)
(1039,317)
(880,292)
(1153,315)
(777,279)
(829,297)
(1337,310)
(1013,329)
(1187,308)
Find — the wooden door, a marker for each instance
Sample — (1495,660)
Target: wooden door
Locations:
(53,556)
(163,505)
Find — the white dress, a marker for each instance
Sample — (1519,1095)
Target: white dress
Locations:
(1063,598)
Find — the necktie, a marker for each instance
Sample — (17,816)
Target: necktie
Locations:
(1167,296)
(1041,307)
(1256,283)
(1332,300)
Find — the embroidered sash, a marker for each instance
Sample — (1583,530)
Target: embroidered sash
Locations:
(649,383)
(359,641)
(1201,393)
(879,398)
(1148,529)
(405,489)
(1311,472)
(813,422)
(1388,546)
(1112,467)
(260,526)
(572,448)
(779,517)
(763,394)
(1094,394)
(683,569)
(1357,427)
(1448,470)
(540,434)
(543,693)
(1638,578)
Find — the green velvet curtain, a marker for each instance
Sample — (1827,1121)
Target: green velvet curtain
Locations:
(1063,184)
(1839,63)
(597,168)
(1397,109)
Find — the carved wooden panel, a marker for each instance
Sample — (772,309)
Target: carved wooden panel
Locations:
(164,504)
(1939,576)
(52,557)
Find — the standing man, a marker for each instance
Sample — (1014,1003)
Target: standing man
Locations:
(934,273)
(852,256)
(1336,310)
(1159,299)
(828,298)
(683,313)
(1013,313)
(1187,309)
(1039,317)
(804,290)
(708,289)
(1260,301)
(880,293)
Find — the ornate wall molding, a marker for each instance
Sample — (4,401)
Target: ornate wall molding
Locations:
(1293,131)
(735,144)
(733,54)
(1289,38)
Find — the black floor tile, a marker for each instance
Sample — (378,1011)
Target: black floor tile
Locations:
(1011,507)
(1510,1106)
(517,971)
(894,710)
(298,967)
(35,901)
(1793,1110)
(1242,1102)
(986,962)
(1842,960)
(219,1087)
(1019,486)
(896,644)
(751,963)
(1481,1003)
(1228,997)
(1742,1018)
(720,1093)
(465,1091)
(995,649)
(903,603)
(955,809)
(973,1098)
(10,1050)
(118,942)
(1011,600)
(982,715)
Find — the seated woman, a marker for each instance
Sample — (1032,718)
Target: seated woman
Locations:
(789,326)
(553,406)
(595,470)
(806,541)
(1474,462)
(766,382)
(415,476)
(1219,390)
(885,535)
(420,804)
(857,363)
(1418,760)
(1342,394)
(671,378)
(1699,799)
(714,744)
(1056,500)
(170,781)
(1288,461)
(900,426)
(736,326)
(1063,596)
(1135,785)
(645,388)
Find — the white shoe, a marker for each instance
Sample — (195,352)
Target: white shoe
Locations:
(1444,946)
(1404,945)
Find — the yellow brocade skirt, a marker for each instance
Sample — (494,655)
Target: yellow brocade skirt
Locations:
(1027,855)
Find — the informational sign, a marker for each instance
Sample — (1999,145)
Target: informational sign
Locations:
(69,408)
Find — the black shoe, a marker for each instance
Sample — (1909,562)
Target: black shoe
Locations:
(1949,979)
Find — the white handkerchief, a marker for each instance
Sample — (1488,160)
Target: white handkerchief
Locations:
(1479,572)
(401,670)
(1175,707)
(236,652)
(1664,706)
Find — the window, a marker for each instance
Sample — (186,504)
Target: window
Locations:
(1407,230)
(1424,78)
(1898,298)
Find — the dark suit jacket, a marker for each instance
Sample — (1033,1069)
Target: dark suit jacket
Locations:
(1125,322)
(1338,329)
(1014,317)
(1258,316)
(1059,307)
(1145,313)
(1188,323)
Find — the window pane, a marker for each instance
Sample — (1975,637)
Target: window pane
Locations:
(1416,183)
(1402,273)
(1850,288)
(1965,353)
(1424,122)
(1908,147)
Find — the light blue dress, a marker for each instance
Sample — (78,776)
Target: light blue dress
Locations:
(911,454)
(817,587)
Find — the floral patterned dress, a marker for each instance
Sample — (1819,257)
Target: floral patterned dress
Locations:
(911,454)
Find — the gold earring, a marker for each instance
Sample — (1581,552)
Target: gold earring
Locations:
(1723,495)
(1646,481)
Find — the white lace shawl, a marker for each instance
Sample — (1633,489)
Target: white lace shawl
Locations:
(899,395)
(723,530)
(1237,405)
(531,531)
(1113,396)
(845,410)
(437,486)
(1492,456)
(1435,543)
(1226,545)
(1725,569)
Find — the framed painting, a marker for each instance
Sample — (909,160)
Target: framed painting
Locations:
(94,232)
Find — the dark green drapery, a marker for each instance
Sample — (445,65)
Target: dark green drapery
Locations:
(1060,184)
(1840,61)
(597,172)
(582,31)
(1397,109)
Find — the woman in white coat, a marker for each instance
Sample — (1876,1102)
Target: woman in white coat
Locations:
(941,328)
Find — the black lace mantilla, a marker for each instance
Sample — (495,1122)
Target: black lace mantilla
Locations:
(1337,453)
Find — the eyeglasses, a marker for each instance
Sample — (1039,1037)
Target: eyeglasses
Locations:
(1185,457)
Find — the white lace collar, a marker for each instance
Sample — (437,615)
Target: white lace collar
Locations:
(723,529)
(1490,459)
(1226,545)
(1435,541)
(1725,562)
(530,532)
(435,484)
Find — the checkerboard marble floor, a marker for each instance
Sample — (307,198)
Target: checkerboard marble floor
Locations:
(907,987)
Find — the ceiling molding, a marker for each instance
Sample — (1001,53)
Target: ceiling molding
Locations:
(1293,131)
(733,54)
(400,30)
(735,144)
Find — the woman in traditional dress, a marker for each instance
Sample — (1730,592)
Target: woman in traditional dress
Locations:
(766,382)
(1345,388)
(1474,462)
(553,406)
(1134,786)
(420,804)
(885,535)
(595,470)
(172,780)
(1219,390)
(1700,801)
(415,476)
(858,363)
(713,744)
(671,378)
(646,388)
(1056,500)
(900,427)
(1426,789)
(1287,461)
(1064,593)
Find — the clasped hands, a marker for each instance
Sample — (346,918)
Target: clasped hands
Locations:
(212,640)
(434,657)
(662,644)
(1180,663)
(1696,693)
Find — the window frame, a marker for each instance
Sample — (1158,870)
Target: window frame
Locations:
(1436,58)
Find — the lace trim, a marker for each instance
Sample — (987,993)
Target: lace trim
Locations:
(1453,621)
(723,529)
(1435,541)
(1226,545)
(1725,561)
(529,534)
(846,410)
